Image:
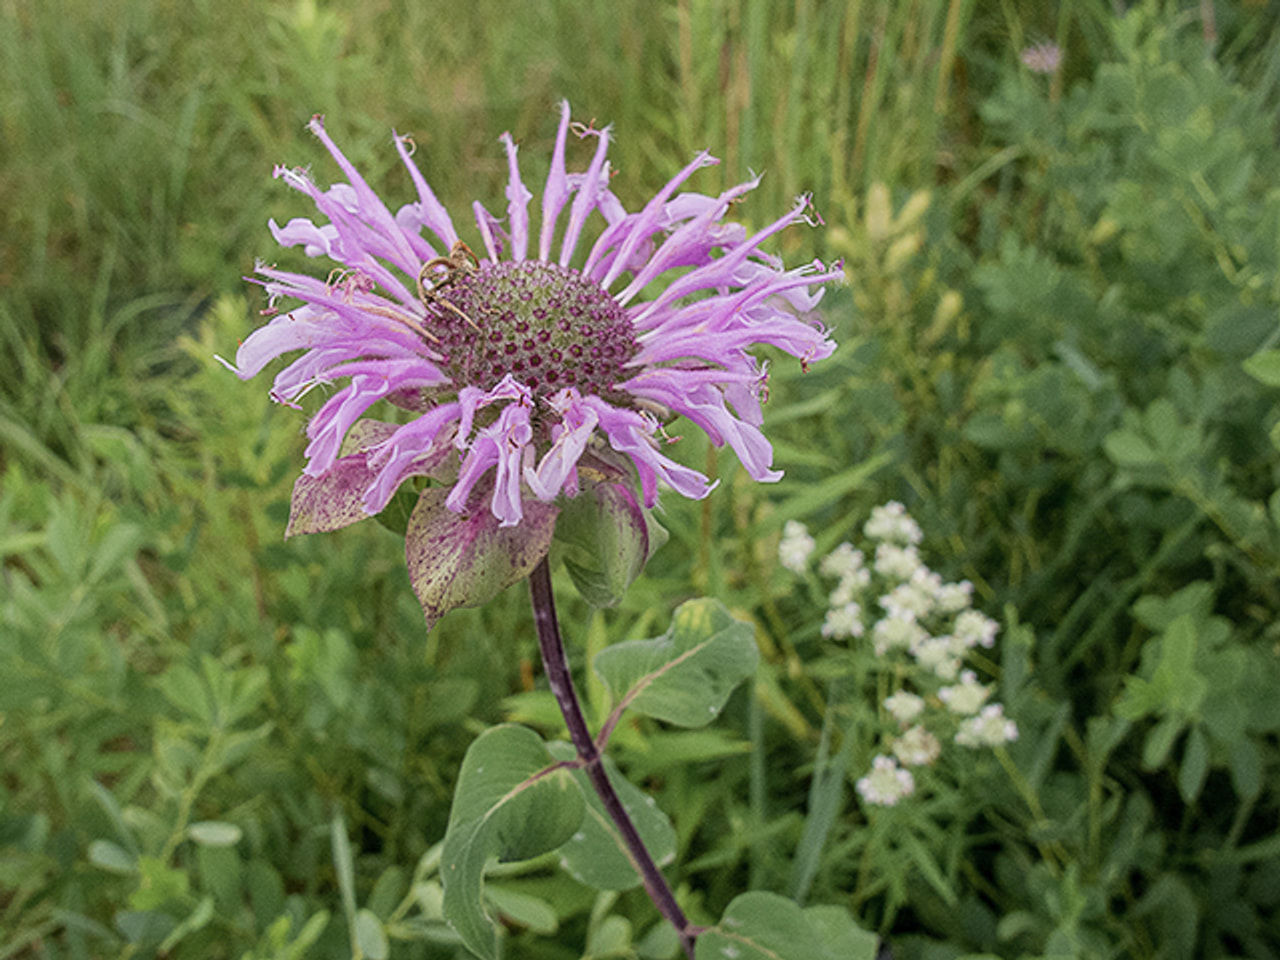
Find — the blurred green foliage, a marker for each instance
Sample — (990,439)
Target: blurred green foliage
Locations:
(1057,347)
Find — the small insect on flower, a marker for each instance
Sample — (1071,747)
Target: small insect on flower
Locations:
(459,263)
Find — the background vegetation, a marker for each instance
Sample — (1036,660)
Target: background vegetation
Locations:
(1058,348)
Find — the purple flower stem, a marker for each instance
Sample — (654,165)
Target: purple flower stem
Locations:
(592,761)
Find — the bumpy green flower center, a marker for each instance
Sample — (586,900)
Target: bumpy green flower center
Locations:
(546,325)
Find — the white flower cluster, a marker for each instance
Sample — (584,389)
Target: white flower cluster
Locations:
(795,547)
(919,627)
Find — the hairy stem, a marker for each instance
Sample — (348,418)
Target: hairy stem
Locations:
(590,758)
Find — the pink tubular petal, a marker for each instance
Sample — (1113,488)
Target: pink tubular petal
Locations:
(414,449)
(282,334)
(556,192)
(331,422)
(633,434)
(649,220)
(501,444)
(514,434)
(472,399)
(702,233)
(369,207)
(489,229)
(714,326)
(714,273)
(559,463)
(315,241)
(704,405)
(431,212)
(518,197)
(587,198)
(359,244)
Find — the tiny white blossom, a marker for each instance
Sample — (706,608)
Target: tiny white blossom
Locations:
(844,621)
(893,632)
(937,654)
(917,747)
(912,600)
(974,628)
(1042,58)
(842,561)
(954,597)
(987,729)
(896,562)
(904,706)
(795,546)
(886,783)
(893,524)
(850,585)
(967,697)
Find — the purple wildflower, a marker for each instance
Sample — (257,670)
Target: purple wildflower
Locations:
(518,363)
(1042,58)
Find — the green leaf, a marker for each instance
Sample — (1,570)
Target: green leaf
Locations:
(195,920)
(120,541)
(388,891)
(467,559)
(395,515)
(686,675)
(183,688)
(158,884)
(596,854)
(111,857)
(607,537)
(765,926)
(265,888)
(307,936)
(343,866)
(1245,763)
(927,865)
(1195,765)
(221,873)
(144,926)
(1264,366)
(665,750)
(111,807)
(513,802)
(214,833)
(841,938)
(524,909)
(612,938)
(370,937)
(1127,448)
(1158,743)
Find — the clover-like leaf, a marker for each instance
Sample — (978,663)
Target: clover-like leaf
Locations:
(765,926)
(467,559)
(686,675)
(513,802)
(596,854)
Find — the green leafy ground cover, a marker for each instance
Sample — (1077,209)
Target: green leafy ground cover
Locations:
(1058,348)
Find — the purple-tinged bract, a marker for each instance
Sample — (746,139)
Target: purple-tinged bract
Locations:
(523,358)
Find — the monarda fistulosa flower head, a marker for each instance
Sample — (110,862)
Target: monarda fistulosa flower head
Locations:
(537,377)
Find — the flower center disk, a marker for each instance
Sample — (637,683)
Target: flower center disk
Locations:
(546,325)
